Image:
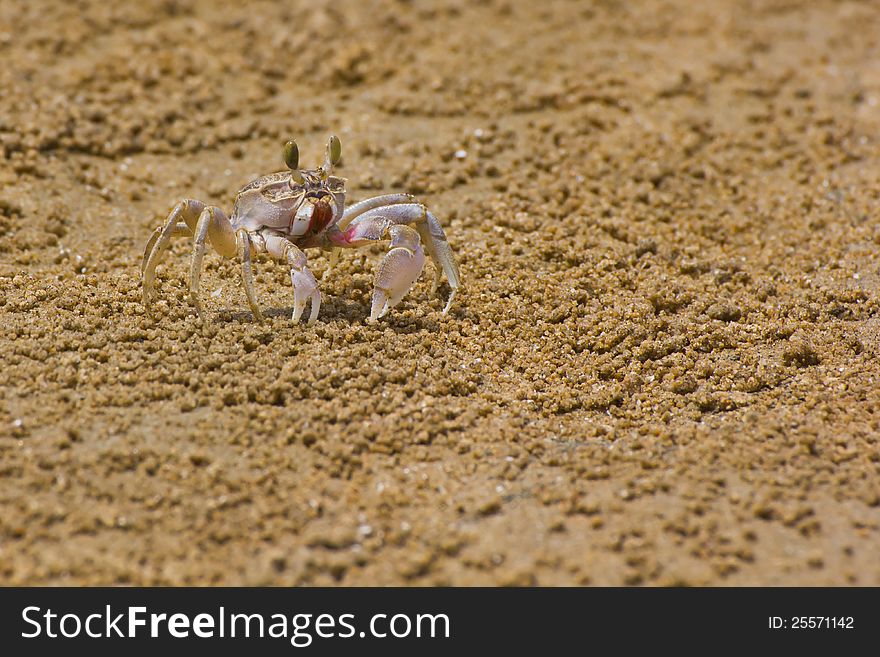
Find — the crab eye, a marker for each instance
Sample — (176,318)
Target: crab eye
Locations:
(334,150)
(291,155)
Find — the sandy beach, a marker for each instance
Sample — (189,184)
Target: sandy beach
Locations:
(661,368)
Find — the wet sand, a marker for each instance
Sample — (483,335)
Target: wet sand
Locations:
(662,367)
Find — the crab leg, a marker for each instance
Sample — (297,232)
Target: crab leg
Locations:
(398,270)
(370,224)
(180,230)
(212,224)
(441,253)
(357,209)
(333,259)
(247,274)
(181,221)
(305,287)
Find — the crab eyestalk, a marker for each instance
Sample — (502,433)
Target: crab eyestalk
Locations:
(332,155)
(291,159)
(291,155)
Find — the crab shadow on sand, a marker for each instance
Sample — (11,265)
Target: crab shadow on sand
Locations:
(342,310)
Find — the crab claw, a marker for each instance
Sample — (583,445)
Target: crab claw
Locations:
(305,287)
(397,272)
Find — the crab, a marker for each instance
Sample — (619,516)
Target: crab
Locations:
(285,212)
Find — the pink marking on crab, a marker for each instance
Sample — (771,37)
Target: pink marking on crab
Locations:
(357,234)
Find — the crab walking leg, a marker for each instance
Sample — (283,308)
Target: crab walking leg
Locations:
(371,225)
(212,224)
(180,230)
(333,260)
(438,248)
(247,274)
(186,211)
(305,287)
(357,209)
